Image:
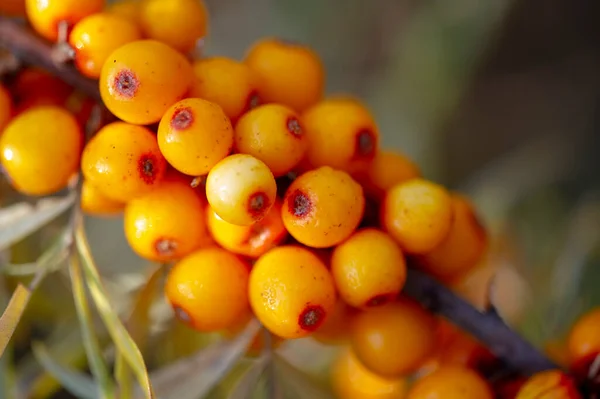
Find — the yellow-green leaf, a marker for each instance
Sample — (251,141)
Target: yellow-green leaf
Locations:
(12,314)
(86,323)
(303,385)
(73,381)
(121,338)
(249,380)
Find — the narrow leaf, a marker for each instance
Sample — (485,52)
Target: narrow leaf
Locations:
(73,381)
(90,341)
(115,327)
(138,325)
(299,382)
(193,377)
(249,380)
(19,220)
(12,314)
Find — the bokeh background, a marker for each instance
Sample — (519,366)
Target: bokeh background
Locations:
(497,99)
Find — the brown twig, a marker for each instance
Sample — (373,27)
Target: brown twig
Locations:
(30,49)
(487,327)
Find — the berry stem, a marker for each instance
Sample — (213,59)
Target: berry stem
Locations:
(487,327)
(30,49)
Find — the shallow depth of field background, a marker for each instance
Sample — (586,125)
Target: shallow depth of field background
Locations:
(499,99)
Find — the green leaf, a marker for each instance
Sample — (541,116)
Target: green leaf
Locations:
(302,385)
(19,220)
(90,341)
(12,314)
(121,338)
(193,377)
(73,381)
(249,380)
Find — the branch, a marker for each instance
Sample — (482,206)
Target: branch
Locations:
(30,49)
(487,327)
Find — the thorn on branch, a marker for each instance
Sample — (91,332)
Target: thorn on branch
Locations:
(31,49)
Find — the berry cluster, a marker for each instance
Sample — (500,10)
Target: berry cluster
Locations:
(269,199)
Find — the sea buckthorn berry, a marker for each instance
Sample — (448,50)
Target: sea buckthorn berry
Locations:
(140,80)
(95,203)
(291,291)
(12,8)
(451,382)
(241,189)
(463,247)
(229,83)
(335,329)
(387,169)
(368,268)
(253,240)
(551,384)
(5,107)
(418,214)
(584,338)
(274,134)
(128,9)
(95,37)
(123,161)
(40,150)
(45,16)
(167,223)
(195,134)
(34,87)
(352,380)
(195,289)
(341,134)
(178,23)
(322,208)
(289,73)
(395,339)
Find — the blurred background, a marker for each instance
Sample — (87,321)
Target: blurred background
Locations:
(497,99)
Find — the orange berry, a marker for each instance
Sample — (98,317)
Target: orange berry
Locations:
(194,135)
(128,9)
(178,23)
(226,82)
(95,37)
(195,289)
(291,291)
(253,240)
(33,87)
(274,134)
(5,107)
(584,338)
(395,339)
(289,73)
(463,247)
(323,207)
(451,382)
(167,223)
(95,203)
(40,150)
(45,16)
(387,169)
(418,214)
(140,80)
(241,189)
(461,349)
(12,8)
(123,161)
(368,268)
(335,328)
(341,133)
(551,384)
(352,380)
